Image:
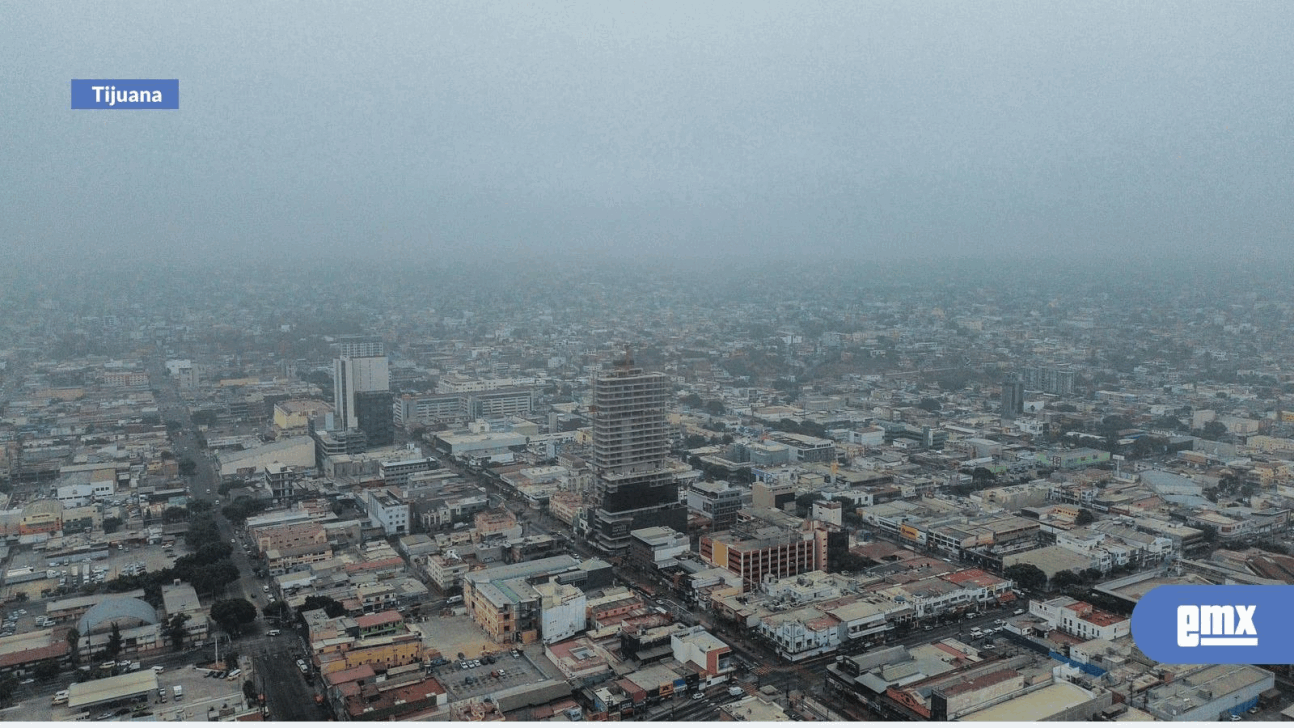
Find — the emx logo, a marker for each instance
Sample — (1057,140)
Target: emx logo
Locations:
(1192,625)
(1216,626)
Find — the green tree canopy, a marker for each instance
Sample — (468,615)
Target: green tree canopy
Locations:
(113,648)
(233,614)
(331,607)
(1066,578)
(1026,576)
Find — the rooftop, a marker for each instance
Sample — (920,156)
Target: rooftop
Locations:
(1036,706)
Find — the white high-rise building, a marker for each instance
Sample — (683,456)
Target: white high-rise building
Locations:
(362,392)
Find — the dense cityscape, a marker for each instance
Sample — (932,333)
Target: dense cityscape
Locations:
(575,488)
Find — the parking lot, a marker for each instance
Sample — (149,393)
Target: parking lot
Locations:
(474,681)
(452,635)
(200,695)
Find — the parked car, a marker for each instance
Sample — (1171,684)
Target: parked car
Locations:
(274,633)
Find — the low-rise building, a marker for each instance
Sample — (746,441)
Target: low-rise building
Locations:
(387,510)
(655,548)
(1081,619)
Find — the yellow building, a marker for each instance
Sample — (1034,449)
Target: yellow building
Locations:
(381,653)
(295,414)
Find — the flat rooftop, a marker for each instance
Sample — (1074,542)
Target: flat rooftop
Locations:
(1035,706)
(111,688)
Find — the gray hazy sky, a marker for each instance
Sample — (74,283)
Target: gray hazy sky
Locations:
(704,128)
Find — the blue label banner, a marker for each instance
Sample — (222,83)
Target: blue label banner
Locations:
(1189,625)
(126,93)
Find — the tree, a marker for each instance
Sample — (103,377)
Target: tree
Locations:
(73,645)
(47,669)
(275,610)
(1084,517)
(982,477)
(331,607)
(175,514)
(1090,574)
(213,578)
(231,660)
(692,442)
(1213,430)
(176,631)
(228,485)
(242,508)
(691,400)
(111,524)
(211,552)
(1026,576)
(7,687)
(113,648)
(188,467)
(715,407)
(803,502)
(1065,578)
(233,614)
(249,691)
(930,404)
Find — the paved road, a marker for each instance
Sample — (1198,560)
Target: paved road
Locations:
(285,688)
(204,482)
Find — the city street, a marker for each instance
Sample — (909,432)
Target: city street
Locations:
(205,481)
(285,689)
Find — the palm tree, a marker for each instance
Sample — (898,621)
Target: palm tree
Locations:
(74,645)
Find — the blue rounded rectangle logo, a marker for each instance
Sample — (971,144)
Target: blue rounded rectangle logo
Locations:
(126,93)
(1215,624)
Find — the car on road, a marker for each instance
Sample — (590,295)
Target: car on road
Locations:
(698,696)
(1018,612)
(274,633)
(104,716)
(158,668)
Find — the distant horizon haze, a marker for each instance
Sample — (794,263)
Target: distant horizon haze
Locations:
(720,132)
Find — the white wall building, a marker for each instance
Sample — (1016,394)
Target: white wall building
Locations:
(561,611)
(387,510)
(1081,619)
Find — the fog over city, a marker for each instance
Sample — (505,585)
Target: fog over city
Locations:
(723,131)
(673,361)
